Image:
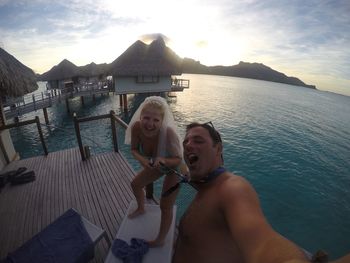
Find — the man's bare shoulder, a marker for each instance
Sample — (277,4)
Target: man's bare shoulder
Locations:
(234,183)
(234,189)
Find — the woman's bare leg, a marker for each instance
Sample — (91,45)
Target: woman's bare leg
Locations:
(142,179)
(166,207)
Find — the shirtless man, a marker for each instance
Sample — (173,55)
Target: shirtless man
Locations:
(224,222)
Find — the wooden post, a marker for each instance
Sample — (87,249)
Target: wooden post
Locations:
(67,105)
(34,101)
(82,100)
(46,116)
(2,147)
(121,101)
(125,102)
(50,101)
(77,131)
(114,131)
(41,135)
(2,115)
(149,191)
(94,98)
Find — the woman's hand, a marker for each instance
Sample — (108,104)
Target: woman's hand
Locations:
(158,161)
(147,164)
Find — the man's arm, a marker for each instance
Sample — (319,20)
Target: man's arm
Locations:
(345,259)
(255,238)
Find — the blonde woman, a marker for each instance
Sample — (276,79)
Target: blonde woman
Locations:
(153,136)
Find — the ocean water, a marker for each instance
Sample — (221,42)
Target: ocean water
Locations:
(291,143)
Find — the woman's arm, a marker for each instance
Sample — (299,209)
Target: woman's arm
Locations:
(173,149)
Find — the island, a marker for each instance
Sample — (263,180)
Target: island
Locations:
(242,70)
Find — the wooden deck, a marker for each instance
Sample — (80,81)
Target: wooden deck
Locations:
(98,188)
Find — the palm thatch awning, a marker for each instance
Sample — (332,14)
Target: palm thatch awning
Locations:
(16,79)
(140,59)
(64,70)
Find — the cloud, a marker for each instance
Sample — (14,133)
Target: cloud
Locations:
(299,37)
(202,43)
(148,38)
(296,37)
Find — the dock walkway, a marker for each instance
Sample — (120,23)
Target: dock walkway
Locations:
(49,98)
(98,188)
(37,102)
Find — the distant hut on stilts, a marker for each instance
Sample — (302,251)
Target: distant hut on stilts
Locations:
(60,75)
(145,68)
(93,73)
(15,80)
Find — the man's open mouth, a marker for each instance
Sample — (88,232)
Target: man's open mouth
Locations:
(192,158)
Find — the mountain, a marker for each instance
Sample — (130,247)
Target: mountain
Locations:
(157,59)
(242,70)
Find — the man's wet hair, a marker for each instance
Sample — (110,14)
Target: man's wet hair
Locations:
(214,134)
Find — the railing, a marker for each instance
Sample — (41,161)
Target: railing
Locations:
(19,124)
(84,152)
(180,83)
(30,98)
(17,107)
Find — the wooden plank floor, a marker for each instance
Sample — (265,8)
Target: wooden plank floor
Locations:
(98,189)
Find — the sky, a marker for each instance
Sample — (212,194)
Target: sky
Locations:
(309,40)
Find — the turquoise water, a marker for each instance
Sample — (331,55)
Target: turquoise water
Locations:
(291,143)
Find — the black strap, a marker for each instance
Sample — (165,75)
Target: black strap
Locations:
(173,188)
(211,176)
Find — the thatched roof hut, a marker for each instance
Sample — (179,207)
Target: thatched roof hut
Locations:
(94,70)
(64,70)
(16,79)
(155,59)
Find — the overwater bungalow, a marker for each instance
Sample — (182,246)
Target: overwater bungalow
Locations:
(58,76)
(93,73)
(16,80)
(146,68)
(67,77)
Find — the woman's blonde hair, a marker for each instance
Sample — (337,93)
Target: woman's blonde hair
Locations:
(165,144)
(154,104)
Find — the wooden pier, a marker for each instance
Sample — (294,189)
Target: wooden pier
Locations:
(43,101)
(98,188)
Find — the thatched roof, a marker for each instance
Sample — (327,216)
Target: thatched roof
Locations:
(16,79)
(64,70)
(155,59)
(94,70)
